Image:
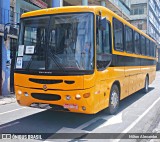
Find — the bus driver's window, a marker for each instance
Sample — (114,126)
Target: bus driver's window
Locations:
(103,45)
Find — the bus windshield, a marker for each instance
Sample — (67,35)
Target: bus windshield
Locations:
(56,43)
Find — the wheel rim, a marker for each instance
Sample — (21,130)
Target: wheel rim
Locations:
(114,99)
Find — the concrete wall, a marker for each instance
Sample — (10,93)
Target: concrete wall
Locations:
(138,1)
(138,17)
(142,22)
(57,3)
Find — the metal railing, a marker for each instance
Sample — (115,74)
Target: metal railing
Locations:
(7,16)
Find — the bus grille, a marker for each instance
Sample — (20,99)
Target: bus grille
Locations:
(45,81)
(46,97)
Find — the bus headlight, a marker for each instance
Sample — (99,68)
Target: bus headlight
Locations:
(78,96)
(26,94)
(68,97)
(83,108)
(19,92)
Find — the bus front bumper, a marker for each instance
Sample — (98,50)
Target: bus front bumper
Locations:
(58,100)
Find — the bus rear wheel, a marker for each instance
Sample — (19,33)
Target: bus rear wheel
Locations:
(146,86)
(114,100)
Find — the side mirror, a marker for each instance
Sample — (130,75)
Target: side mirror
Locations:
(103,24)
(5,33)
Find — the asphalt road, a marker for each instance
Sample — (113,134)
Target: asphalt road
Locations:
(138,113)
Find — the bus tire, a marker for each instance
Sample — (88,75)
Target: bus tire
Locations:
(146,85)
(114,100)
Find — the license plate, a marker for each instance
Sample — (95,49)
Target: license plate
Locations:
(71,106)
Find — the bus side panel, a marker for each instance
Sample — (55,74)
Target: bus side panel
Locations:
(140,83)
(151,71)
(90,81)
(104,82)
(104,94)
(101,89)
(152,74)
(145,70)
(117,74)
(106,86)
(131,74)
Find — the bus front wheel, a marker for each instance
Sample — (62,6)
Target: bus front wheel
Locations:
(114,100)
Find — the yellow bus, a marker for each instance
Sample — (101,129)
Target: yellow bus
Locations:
(81,59)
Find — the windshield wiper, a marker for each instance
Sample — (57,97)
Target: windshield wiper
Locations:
(53,57)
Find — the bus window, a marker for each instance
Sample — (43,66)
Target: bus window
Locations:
(154,49)
(143,45)
(128,39)
(147,47)
(137,42)
(150,48)
(118,35)
(103,46)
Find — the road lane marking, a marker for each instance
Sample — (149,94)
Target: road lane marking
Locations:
(110,120)
(9,125)
(113,120)
(12,110)
(137,120)
(87,123)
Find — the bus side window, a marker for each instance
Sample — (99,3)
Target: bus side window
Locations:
(147,47)
(143,45)
(118,29)
(129,39)
(150,48)
(137,42)
(154,49)
(103,45)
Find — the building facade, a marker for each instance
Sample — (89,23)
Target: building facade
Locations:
(120,7)
(145,15)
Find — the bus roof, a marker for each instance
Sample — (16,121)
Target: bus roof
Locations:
(94,9)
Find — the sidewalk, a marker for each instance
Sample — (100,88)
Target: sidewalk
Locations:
(7,99)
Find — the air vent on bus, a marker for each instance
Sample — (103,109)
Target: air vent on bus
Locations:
(69,82)
(45,81)
(46,97)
